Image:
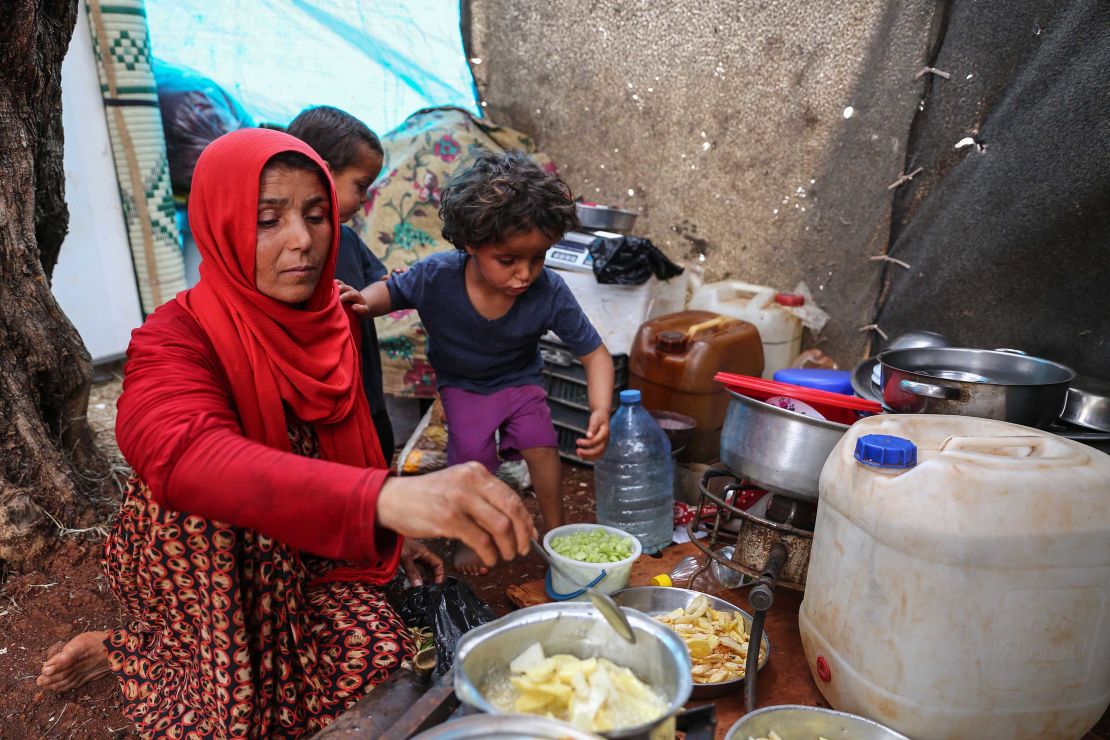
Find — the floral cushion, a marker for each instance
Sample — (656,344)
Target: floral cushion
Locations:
(401,222)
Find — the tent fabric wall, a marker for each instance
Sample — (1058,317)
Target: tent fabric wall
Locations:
(1008,239)
(123,56)
(379,60)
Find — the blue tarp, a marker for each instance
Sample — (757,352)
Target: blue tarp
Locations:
(379,60)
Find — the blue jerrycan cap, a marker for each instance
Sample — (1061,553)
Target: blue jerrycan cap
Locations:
(886,451)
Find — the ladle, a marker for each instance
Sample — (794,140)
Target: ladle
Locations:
(604,603)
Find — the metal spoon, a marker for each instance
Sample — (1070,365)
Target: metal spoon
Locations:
(604,603)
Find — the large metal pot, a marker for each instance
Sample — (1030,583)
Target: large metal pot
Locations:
(991,384)
(659,657)
(796,720)
(779,450)
(504,727)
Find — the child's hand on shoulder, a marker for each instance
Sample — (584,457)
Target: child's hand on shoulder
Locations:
(593,444)
(349,295)
(394,271)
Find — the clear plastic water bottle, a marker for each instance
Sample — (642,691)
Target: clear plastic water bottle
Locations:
(634,479)
(711,580)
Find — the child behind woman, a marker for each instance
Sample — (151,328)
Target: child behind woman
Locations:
(485,307)
(354,157)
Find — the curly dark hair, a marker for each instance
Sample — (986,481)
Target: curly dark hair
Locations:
(500,195)
(334,134)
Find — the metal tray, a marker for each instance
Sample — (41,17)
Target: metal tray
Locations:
(656,600)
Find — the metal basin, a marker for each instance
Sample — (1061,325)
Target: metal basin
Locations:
(504,727)
(1088,404)
(798,722)
(603,218)
(658,658)
(656,600)
(990,384)
(777,449)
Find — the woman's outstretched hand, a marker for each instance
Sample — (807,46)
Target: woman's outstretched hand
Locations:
(464,502)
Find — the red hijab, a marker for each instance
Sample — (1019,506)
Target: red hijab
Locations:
(276,356)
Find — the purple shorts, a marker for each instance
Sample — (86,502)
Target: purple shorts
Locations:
(519,413)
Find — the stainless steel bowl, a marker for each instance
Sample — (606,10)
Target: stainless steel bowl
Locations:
(656,600)
(777,449)
(991,384)
(603,218)
(658,658)
(504,727)
(798,722)
(1088,404)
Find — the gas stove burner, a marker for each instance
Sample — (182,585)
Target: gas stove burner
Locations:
(772,546)
(786,522)
(785,510)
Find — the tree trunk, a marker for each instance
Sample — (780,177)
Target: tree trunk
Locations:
(49,463)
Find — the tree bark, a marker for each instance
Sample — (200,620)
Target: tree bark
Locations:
(49,464)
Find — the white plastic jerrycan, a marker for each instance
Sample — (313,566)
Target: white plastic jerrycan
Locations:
(779,330)
(959,583)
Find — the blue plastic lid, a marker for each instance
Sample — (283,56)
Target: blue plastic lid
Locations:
(630,396)
(833,381)
(885,451)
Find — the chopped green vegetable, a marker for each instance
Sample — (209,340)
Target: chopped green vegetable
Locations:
(593,546)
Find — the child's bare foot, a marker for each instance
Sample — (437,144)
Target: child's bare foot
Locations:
(75,663)
(468,563)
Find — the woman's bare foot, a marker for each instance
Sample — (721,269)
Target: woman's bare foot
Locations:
(468,563)
(82,659)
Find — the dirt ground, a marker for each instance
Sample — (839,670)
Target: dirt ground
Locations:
(69,595)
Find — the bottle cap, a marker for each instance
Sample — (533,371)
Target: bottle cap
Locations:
(885,451)
(662,580)
(790,299)
(630,396)
(672,342)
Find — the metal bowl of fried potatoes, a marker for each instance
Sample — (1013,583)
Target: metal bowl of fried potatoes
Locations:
(715,632)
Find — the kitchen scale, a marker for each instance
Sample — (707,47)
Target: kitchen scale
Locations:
(572,252)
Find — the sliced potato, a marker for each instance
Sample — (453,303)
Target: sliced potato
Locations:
(717,640)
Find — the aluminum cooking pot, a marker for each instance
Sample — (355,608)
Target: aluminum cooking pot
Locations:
(779,450)
(659,657)
(605,218)
(794,720)
(504,727)
(991,384)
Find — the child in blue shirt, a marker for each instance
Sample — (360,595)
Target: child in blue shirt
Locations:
(354,157)
(485,308)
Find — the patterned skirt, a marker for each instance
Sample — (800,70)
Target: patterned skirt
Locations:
(229,636)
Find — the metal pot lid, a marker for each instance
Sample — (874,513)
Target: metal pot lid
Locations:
(862,383)
(505,727)
(1088,404)
(996,367)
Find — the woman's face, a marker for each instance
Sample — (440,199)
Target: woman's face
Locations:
(294,233)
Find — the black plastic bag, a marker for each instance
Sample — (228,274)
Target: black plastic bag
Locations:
(630,260)
(195,112)
(449,609)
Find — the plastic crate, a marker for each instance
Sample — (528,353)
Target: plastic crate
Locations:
(565,377)
(568,439)
(565,382)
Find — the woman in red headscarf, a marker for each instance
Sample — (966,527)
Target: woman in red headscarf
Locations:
(261,517)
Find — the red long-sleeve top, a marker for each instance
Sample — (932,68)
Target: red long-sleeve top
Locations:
(177,427)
